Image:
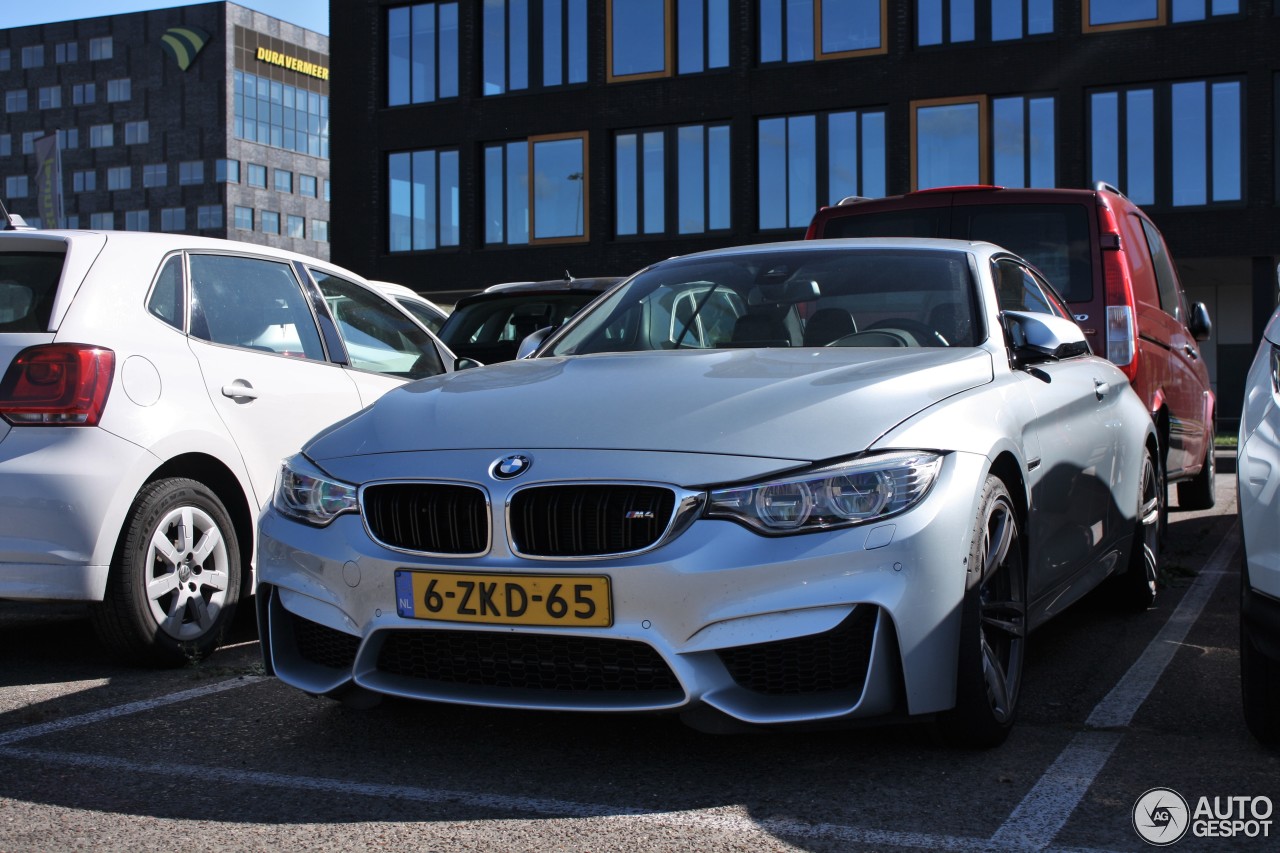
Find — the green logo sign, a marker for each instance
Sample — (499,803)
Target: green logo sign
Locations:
(184,44)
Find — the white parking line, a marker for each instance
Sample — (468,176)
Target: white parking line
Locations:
(29,732)
(1038,819)
(1032,825)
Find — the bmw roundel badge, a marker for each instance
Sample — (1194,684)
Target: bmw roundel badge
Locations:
(509,467)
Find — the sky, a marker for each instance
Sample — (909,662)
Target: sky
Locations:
(311,14)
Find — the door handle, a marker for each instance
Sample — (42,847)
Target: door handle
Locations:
(239,390)
(1190,351)
(1100,388)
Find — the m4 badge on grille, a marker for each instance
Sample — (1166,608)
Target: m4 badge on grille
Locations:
(509,467)
(635,514)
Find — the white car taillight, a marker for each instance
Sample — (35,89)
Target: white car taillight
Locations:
(57,385)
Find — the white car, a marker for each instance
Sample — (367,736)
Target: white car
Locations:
(424,310)
(151,385)
(814,482)
(1257,482)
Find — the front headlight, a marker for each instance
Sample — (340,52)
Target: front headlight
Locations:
(866,489)
(305,493)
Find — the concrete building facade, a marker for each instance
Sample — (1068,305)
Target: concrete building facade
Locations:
(208,119)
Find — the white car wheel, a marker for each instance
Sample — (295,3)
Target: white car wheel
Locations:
(175,581)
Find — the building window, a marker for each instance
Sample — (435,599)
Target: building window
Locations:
(243,218)
(65,52)
(307,185)
(960,141)
(807,161)
(424,200)
(281,116)
(84,182)
(257,176)
(191,172)
(69,139)
(295,226)
(422,53)
(119,178)
(1199,10)
(209,216)
(270,222)
(73,222)
(15,101)
(173,219)
(551,209)
(83,93)
(640,183)
(15,186)
(29,141)
(155,175)
(320,230)
(284,181)
(958,21)
(1195,126)
(137,220)
(804,30)
(101,136)
(655,38)
(6,144)
(653,198)
(137,132)
(224,171)
(102,221)
(702,178)
(100,48)
(33,56)
(5,61)
(532,44)
(1023,153)
(326,186)
(50,97)
(119,90)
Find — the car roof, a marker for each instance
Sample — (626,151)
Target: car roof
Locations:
(593,283)
(920,244)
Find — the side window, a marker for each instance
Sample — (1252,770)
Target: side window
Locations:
(166,296)
(378,336)
(252,303)
(1019,289)
(1166,277)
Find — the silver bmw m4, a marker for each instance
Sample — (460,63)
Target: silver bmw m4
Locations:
(770,485)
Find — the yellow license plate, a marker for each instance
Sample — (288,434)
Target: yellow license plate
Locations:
(505,599)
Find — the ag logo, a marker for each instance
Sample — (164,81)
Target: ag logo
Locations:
(510,467)
(1161,817)
(184,44)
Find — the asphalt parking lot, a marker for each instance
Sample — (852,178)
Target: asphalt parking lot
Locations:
(214,756)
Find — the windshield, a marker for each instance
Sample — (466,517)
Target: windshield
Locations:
(491,328)
(797,298)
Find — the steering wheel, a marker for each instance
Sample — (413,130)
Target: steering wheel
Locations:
(924,334)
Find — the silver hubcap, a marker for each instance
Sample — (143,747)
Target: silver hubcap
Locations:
(187,578)
(1003,607)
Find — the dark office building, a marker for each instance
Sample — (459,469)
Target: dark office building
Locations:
(210,119)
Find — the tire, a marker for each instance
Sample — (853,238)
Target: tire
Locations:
(1197,493)
(1259,682)
(175,578)
(993,627)
(1135,587)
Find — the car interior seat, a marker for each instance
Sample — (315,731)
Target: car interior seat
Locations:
(827,325)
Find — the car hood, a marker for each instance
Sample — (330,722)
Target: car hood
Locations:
(777,403)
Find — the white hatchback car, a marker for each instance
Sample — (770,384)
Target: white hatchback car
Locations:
(424,310)
(151,385)
(1258,484)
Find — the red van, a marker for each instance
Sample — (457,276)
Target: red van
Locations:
(1111,264)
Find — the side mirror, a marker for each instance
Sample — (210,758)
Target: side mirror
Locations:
(1200,325)
(465,363)
(530,344)
(1036,338)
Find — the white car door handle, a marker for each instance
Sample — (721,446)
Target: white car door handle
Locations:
(239,390)
(1100,388)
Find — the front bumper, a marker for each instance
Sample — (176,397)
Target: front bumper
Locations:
(837,625)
